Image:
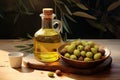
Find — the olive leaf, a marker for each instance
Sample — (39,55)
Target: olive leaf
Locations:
(65,24)
(29,36)
(68,10)
(32,4)
(82,6)
(58,2)
(1,16)
(65,37)
(29,45)
(110,27)
(62,7)
(113,5)
(69,1)
(16,18)
(97,25)
(23,9)
(20,46)
(69,17)
(83,14)
(21,3)
(25,48)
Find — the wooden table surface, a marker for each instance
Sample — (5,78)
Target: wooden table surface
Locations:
(24,73)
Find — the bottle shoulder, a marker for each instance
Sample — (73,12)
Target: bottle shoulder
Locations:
(46,32)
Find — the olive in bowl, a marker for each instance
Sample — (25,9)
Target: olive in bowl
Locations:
(83,54)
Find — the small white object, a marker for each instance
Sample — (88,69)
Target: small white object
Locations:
(15,59)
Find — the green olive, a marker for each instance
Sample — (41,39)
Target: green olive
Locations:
(66,46)
(71,48)
(84,43)
(78,42)
(83,53)
(97,56)
(86,59)
(73,57)
(94,50)
(76,52)
(80,47)
(51,74)
(67,55)
(89,54)
(91,43)
(96,47)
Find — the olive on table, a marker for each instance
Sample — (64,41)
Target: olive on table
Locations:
(51,74)
(58,72)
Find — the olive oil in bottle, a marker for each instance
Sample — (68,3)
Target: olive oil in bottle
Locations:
(47,39)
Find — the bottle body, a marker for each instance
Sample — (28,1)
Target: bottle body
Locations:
(46,42)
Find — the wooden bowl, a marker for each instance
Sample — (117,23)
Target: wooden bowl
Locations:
(83,64)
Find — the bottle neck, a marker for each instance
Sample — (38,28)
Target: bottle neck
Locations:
(47,21)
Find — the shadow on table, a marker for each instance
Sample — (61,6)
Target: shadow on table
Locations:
(97,76)
(24,69)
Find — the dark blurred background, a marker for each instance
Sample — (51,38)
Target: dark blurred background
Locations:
(18,18)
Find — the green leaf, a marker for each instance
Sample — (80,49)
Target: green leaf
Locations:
(83,14)
(29,36)
(65,37)
(113,5)
(59,2)
(110,27)
(96,25)
(16,18)
(74,1)
(1,16)
(20,46)
(82,6)
(65,24)
(69,17)
(31,45)
(24,6)
(25,49)
(31,3)
(68,10)
(29,13)
(69,1)
(29,51)
(108,23)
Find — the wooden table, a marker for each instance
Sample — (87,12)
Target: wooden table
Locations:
(24,73)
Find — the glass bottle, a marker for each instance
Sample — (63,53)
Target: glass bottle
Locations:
(48,38)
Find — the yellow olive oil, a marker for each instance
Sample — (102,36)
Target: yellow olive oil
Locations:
(46,42)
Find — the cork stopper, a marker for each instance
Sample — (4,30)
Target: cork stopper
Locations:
(47,11)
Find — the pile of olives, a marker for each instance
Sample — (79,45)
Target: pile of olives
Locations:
(83,51)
